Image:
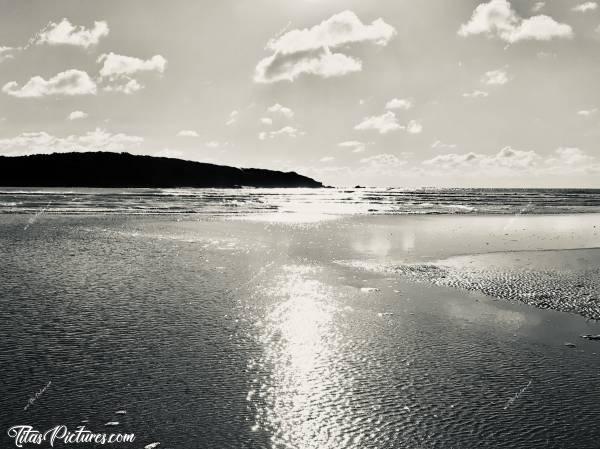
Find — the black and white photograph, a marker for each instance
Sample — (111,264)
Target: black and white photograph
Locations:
(299,224)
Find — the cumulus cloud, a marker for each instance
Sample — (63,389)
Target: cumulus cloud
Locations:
(233,117)
(495,77)
(414,127)
(187,133)
(438,144)
(64,33)
(584,7)
(538,6)
(114,66)
(384,161)
(507,158)
(498,19)
(288,131)
(476,94)
(42,142)
(384,123)
(398,103)
(355,145)
(7,53)
(126,86)
(77,115)
(71,82)
(587,112)
(308,51)
(266,121)
(326,159)
(279,109)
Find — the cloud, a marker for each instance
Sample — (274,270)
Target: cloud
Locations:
(507,158)
(384,123)
(7,53)
(414,127)
(587,112)
(326,159)
(64,33)
(321,62)
(127,87)
(71,82)
(288,131)
(77,115)
(538,6)
(308,50)
(584,7)
(398,103)
(495,77)
(439,144)
(266,121)
(497,19)
(383,161)
(187,133)
(476,94)
(279,109)
(42,142)
(213,144)
(114,66)
(357,147)
(233,117)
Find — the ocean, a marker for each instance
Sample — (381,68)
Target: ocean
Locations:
(359,318)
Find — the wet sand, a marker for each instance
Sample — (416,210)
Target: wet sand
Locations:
(244,333)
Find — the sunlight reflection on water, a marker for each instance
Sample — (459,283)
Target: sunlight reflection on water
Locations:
(301,351)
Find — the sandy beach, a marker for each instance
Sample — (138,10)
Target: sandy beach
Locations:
(260,332)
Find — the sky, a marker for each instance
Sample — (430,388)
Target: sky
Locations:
(380,93)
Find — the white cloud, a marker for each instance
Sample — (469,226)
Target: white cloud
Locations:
(383,123)
(64,33)
(587,112)
(570,156)
(326,159)
(308,51)
(398,103)
(476,94)
(498,19)
(169,153)
(187,133)
(321,62)
(495,77)
(77,115)
(357,147)
(439,144)
(114,66)
(279,109)
(538,6)
(383,161)
(42,142)
(233,117)
(7,53)
(213,144)
(288,131)
(70,82)
(414,127)
(127,87)
(584,7)
(506,159)
(266,121)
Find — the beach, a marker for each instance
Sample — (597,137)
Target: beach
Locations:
(289,331)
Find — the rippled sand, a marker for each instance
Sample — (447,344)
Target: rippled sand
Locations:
(567,280)
(243,334)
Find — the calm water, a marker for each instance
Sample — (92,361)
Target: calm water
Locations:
(220,333)
(328,201)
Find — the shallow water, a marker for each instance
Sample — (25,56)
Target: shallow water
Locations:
(309,202)
(215,333)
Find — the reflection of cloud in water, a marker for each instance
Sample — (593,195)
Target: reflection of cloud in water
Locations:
(510,320)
